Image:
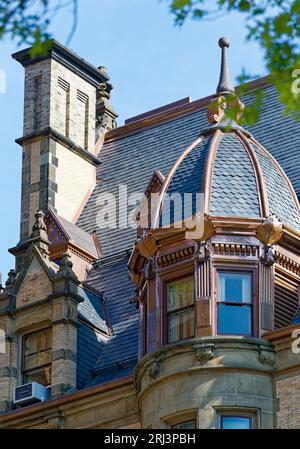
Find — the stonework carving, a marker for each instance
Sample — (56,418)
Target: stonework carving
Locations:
(150,269)
(153,371)
(11,280)
(105,115)
(266,358)
(269,256)
(204,354)
(202,252)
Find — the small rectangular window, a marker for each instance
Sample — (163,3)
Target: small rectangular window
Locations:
(236,422)
(37,357)
(235,304)
(185,425)
(180,309)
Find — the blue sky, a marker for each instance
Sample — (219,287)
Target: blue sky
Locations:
(151,63)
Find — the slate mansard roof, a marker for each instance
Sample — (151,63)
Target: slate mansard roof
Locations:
(129,156)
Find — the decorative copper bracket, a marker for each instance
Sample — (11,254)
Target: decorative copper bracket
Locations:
(270,231)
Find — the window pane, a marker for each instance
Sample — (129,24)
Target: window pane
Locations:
(185,425)
(181,325)
(42,376)
(236,422)
(37,342)
(234,320)
(37,357)
(180,293)
(235,287)
(36,360)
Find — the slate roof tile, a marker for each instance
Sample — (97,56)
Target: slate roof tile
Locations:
(281,202)
(118,353)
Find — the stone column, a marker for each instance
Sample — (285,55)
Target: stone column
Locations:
(203,300)
(8,347)
(266,294)
(65,301)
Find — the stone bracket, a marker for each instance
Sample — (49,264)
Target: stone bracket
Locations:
(204,353)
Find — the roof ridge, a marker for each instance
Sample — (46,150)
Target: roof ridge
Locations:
(166,115)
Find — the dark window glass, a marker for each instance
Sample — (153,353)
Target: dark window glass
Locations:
(236,422)
(185,425)
(235,303)
(180,309)
(37,357)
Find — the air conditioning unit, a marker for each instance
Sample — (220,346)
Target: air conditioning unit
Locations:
(31,393)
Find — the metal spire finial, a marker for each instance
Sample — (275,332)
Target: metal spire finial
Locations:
(225,81)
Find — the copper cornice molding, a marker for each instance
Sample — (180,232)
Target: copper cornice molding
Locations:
(235,249)
(176,256)
(288,263)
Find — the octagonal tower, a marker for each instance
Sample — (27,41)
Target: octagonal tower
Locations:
(216,269)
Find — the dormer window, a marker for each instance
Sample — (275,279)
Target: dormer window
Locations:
(180,309)
(235,303)
(36,366)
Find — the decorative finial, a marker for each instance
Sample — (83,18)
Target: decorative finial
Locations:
(226,109)
(11,280)
(39,233)
(225,84)
(66,266)
(105,115)
(39,224)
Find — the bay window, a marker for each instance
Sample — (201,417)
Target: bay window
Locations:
(180,309)
(36,363)
(235,303)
